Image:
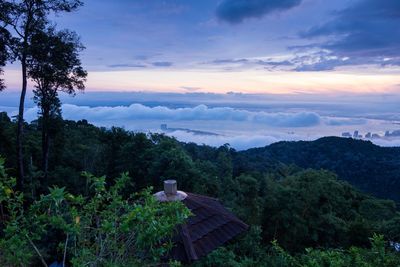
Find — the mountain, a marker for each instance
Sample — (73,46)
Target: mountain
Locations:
(370,168)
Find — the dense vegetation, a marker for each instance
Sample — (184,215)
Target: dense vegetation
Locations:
(100,228)
(368,167)
(315,218)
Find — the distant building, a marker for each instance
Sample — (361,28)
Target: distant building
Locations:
(164,127)
(356,135)
(376,136)
(392,134)
(368,135)
(346,134)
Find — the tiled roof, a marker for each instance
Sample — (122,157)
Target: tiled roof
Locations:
(210,227)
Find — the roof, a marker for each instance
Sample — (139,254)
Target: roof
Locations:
(210,227)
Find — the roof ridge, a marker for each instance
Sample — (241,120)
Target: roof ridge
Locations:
(202,196)
(188,244)
(224,213)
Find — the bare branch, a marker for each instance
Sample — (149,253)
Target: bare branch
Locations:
(37,251)
(17,31)
(65,250)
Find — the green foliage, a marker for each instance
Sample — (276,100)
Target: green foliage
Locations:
(14,246)
(248,250)
(221,257)
(298,208)
(276,256)
(377,255)
(314,209)
(369,167)
(391,228)
(127,229)
(100,229)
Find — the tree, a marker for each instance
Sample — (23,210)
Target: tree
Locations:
(20,19)
(58,69)
(2,86)
(3,55)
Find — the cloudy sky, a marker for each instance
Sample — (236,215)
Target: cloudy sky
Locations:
(250,46)
(251,72)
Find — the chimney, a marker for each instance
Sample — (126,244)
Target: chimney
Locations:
(170,187)
(170,192)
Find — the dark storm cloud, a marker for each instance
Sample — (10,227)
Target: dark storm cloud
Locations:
(367,30)
(235,11)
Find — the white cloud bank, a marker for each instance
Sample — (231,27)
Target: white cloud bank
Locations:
(139,112)
(240,128)
(198,113)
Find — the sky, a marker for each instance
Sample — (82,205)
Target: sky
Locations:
(247,46)
(248,72)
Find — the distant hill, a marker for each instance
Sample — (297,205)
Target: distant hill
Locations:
(370,168)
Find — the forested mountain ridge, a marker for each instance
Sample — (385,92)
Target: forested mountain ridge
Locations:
(370,168)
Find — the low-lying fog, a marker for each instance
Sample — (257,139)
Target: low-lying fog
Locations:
(243,121)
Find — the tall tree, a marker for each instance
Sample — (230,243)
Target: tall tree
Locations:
(20,19)
(3,55)
(57,69)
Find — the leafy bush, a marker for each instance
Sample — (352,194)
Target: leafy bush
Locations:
(100,229)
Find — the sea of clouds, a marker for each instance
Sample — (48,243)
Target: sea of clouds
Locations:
(240,128)
(243,121)
(139,112)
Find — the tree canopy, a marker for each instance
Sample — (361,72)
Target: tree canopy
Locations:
(369,167)
(57,69)
(308,215)
(3,55)
(19,20)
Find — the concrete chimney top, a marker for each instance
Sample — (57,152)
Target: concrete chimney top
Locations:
(170,192)
(170,187)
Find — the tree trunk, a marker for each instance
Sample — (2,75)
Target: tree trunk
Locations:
(45,145)
(20,129)
(20,126)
